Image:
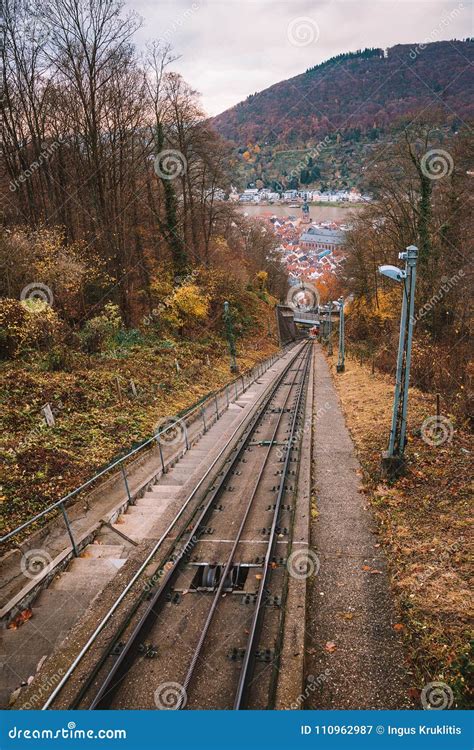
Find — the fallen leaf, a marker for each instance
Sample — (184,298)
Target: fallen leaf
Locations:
(398,626)
(330,647)
(22,617)
(347,615)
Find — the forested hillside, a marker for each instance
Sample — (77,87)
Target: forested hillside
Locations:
(343,108)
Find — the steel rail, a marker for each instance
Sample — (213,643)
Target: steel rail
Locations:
(59,687)
(255,628)
(115,675)
(222,582)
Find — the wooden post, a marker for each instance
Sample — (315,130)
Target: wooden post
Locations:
(119,390)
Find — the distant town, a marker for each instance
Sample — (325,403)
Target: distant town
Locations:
(307,249)
(264,195)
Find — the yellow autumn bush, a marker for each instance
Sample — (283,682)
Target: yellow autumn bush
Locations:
(29,324)
(190,304)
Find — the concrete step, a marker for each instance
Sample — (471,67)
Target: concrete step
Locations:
(168,480)
(189,463)
(151,501)
(92,566)
(181,473)
(56,600)
(72,582)
(146,511)
(103,550)
(138,527)
(160,494)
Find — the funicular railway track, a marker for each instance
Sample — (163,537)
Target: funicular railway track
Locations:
(209,634)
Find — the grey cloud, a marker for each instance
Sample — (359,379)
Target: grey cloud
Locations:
(232,48)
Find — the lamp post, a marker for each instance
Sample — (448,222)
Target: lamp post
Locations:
(330,330)
(340,367)
(230,338)
(392,459)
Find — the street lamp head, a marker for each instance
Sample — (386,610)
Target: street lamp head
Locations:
(394,273)
(410,254)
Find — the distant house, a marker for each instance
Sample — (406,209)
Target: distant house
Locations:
(250,196)
(322,238)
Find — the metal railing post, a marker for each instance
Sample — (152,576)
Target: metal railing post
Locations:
(125,480)
(340,367)
(163,469)
(69,530)
(186,441)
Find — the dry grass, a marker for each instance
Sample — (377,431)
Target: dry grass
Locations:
(424,520)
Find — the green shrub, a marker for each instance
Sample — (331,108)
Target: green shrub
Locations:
(100,330)
(128,337)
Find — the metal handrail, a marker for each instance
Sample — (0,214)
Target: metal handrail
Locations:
(155,438)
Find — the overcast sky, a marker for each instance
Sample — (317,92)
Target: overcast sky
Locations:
(232,48)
